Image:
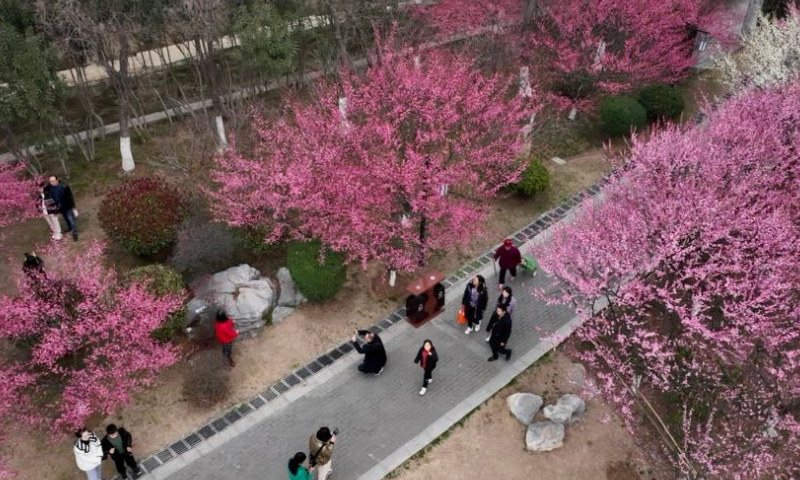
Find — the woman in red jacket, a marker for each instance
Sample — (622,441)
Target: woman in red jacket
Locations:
(226,334)
(509,256)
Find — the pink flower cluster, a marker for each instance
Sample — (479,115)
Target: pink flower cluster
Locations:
(87,342)
(696,248)
(369,160)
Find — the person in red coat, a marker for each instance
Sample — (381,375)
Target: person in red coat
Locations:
(226,333)
(509,257)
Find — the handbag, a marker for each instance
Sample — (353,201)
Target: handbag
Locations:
(462,316)
(312,460)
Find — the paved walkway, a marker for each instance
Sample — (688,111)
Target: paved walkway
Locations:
(382,420)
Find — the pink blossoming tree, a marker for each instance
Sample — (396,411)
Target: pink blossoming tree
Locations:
(393,164)
(695,247)
(451,17)
(17,194)
(86,339)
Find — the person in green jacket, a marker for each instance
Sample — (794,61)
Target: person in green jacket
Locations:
(298,471)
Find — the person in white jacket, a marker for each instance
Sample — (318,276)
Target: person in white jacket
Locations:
(88,453)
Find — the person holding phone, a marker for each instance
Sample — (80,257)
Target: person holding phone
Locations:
(88,453)
(320,447)
(373,351)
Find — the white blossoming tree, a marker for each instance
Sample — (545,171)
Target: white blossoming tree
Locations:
(771,54)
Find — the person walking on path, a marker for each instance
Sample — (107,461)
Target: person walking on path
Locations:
(320,447)
(507,300)
(427,359)
(62,196)
(88,453)
(510,257)
(373,351)
(297,469)
(118,444)
(49,210)
(226,333)
(474,301)
(501,331)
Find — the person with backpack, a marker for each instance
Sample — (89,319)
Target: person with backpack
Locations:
(509,258)
(507,300)
(474,301)
(49,210)
(427,359)
(320,447)
(226,333)
(297,469)
(118,444)
(501,331)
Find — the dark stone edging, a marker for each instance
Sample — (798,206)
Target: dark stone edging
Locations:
(236,413)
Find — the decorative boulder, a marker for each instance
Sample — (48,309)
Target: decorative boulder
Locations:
(568,410)
(279,314)
(576,375)
(544,436)
(524,406)
(241,291)
(290,296)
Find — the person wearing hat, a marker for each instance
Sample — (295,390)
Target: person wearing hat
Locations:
(509,257)
(320,447)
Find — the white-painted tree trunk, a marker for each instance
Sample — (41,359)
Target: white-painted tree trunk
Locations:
(525,89)
(417,62)
(573,113)
(392,277)
(127,155)
(223,139)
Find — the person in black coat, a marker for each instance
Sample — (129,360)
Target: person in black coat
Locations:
(62,196)
(118,444)
(474,301)
(427,359)
(501,331)
(372,348)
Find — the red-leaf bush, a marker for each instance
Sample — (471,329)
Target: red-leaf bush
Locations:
(143,215)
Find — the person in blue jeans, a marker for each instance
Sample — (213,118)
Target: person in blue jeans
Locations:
(298,469)
(62,196)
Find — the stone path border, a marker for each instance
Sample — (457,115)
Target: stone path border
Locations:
(302,374)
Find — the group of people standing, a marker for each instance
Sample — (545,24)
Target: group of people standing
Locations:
(90,452)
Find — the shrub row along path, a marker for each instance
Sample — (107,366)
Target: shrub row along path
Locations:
(382,420)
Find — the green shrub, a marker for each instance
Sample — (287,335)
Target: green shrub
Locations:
(317,281)
(252,238)
(534,179)
(662,101)
(142,215)
(620,113)
(160,281)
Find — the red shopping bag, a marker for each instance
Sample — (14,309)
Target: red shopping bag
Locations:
(462,317)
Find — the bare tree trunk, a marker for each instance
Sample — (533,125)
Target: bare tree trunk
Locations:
(341,41)
(532,10)
(209,68)
(123,91)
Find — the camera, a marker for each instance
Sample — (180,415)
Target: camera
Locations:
(336,431)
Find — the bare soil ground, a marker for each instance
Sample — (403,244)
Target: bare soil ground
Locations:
(491,442)
(161,415)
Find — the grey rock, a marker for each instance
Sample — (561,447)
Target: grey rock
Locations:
(241,291)
(568,410)
(576,375)
(280,314)
(524,406)
(544,436)
(290,296)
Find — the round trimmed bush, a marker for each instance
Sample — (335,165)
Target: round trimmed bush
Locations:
(662,101)
(534,179)
(317,281)
(619,114)
(161,280)
(143,215)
